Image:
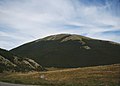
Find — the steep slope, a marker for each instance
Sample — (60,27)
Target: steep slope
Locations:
(10,62)
(66,50)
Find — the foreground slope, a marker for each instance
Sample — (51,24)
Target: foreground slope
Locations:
(10,62)
(66,50)
(89,76)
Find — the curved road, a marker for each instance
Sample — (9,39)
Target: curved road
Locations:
(9,84)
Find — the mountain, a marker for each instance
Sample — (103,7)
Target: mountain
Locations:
(70,50)
(10,62)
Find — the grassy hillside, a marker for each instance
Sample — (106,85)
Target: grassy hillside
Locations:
(10,62)
(108,75)
(66,50)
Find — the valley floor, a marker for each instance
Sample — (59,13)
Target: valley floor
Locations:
(108,75)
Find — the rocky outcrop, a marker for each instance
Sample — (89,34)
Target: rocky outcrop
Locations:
(10,62)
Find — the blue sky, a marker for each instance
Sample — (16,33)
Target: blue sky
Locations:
(23,21)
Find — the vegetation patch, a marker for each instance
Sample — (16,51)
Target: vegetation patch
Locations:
(89,76)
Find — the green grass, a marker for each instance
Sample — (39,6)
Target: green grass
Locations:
(89,76)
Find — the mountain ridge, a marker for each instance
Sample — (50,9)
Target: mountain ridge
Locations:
(9,62)
(70,50)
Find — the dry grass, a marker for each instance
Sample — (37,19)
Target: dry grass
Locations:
(89,76)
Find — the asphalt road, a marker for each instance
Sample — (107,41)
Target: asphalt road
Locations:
(9,84)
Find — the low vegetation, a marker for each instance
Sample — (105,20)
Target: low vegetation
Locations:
(108,75)
(70,51)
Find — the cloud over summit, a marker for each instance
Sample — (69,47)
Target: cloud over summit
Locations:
(26,20)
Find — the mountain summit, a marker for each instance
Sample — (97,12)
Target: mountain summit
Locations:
(70,50)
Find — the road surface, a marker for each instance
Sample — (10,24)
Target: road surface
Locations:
(9,84)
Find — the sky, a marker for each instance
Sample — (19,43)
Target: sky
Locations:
(22,21)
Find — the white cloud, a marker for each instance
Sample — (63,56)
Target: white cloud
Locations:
(33,19)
